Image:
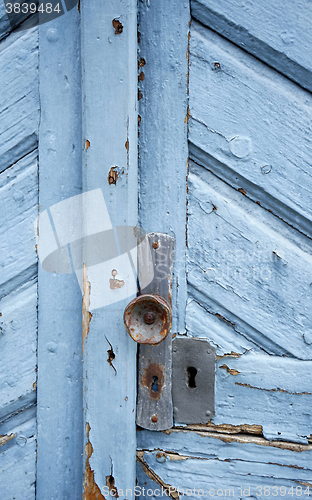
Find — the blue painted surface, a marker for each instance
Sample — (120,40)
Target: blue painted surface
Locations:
(109,71)
(163,132)
(249,256)
(275,32)
(19,117)
(60,421)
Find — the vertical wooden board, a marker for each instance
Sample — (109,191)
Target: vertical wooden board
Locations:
(276,32)
(251,127)
(19,96)
(109,71)
(59,465)
(163,69)
(18,461)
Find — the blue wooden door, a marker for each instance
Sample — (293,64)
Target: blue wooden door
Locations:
(186,118)
(239,76)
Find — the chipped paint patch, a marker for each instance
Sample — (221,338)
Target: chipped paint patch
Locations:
(5,438)
(230,370)
(242,438)
(223,428)
(118,26)
(91,491)
(86,315)
(87,144)
(114,283)
(110,483)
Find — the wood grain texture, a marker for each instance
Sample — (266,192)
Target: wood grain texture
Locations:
(109,69)
(246,271)
(163,131)
(18,348)
(251,127)
(19,97)
(275,32)
(19,208)
(212,462)
(17,461)
(59,466)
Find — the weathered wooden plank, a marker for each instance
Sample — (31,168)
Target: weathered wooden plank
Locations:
(19,96)
(212,445)
(214,476)
(19,208)
(246,272)
(59,465)
(271,391)
(18,461)
(275,32)
(163,82)
(109,69)
(236,130)
(18,327)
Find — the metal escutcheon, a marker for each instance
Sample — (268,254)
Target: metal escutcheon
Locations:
(148,319)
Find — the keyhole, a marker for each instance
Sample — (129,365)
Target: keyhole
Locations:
(155,384)
(191,375)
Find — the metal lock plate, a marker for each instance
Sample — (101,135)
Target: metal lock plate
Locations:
(193,380)
(148,319)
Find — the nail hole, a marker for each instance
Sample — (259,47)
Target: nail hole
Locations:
(155,384)
(191,375)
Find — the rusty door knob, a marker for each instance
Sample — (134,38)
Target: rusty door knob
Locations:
(148,319)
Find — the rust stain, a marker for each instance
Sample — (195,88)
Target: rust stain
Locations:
(141,77)
(91,491)
(139,119)
(87,144)
(141,62)
(127,144)
(216,65)
(241,190)
(118,26)
(35,385)
(156,244)
(258,203)
(79,7)
(112,175)
(5,438)
(140,95)
(86,315)
(110,483)
(152,475)
(148,379)
(114,283)
(230,370)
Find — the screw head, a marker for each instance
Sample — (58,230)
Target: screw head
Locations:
(154,418)
(208,413)
(149,318)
